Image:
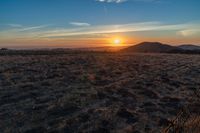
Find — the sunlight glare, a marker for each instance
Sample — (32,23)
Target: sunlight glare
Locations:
(117,41)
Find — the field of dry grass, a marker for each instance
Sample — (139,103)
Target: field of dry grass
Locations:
(96,92)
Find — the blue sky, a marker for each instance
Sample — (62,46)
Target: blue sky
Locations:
(87,22)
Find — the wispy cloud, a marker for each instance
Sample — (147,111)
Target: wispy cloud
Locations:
(39,32)
(11,25)
(188,32)
(33,28)
(112,1)
(121,1)
(22,32)
(123,28)
(15,25)
(80,24)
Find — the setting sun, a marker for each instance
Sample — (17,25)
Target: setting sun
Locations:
(117,41)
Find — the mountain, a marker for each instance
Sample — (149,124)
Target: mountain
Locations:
(189,47)
(152,47)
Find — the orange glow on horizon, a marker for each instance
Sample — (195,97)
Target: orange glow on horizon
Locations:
(76,42)
(117,41)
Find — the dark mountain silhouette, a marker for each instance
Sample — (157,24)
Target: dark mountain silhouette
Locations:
(151,47)
(189,47)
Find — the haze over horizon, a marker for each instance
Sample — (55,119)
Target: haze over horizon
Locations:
(96,23)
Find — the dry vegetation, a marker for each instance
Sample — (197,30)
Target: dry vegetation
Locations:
(96,92)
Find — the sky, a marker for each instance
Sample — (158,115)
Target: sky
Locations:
(95,23)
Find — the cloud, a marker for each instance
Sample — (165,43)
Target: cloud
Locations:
(12,25)
(15,25)
(39,32)
(188,32)
(80,24)
(33,28)
(123,28)
(112,1)
(19,27)
(121,1)
(22,32)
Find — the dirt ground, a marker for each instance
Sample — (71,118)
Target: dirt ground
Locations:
(96,92)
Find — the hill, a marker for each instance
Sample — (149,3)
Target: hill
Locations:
(151,47)
(189,47)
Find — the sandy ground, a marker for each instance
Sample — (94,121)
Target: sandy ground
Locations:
(95,92)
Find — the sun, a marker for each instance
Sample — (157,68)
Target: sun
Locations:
(117,41)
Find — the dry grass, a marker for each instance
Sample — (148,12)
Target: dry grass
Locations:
(188,119)
(96,92)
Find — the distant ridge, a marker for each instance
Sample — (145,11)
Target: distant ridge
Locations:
(151,47)
(157,47)
(189,47)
